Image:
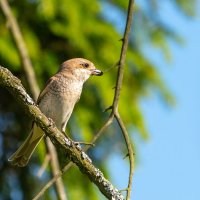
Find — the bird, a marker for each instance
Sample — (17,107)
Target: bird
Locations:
(57,101)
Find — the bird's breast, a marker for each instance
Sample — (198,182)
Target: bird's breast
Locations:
(59,101)
(67,88)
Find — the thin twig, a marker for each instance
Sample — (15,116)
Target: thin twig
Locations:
(123,55)
(44,165)
(52,181)
(110,68)
(55,168)
(117,94)
(62,142)
(130,150)
(34,88)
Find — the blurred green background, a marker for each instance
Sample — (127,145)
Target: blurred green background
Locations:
(55,31)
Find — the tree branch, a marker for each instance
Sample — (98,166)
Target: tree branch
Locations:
(130,153)
(69,165)
(44,165)
(114,111)
(123,55)
(73,152)
(55,168)
(34,88)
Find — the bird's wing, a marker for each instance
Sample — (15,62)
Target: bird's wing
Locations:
(46,89)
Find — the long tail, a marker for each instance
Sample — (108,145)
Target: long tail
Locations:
(23,154)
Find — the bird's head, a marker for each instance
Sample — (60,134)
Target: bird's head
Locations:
(80,68)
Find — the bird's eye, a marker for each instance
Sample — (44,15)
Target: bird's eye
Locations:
(86,65)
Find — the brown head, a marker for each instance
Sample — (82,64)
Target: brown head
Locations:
(80,68)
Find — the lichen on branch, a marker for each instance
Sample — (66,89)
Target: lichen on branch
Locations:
(72,150)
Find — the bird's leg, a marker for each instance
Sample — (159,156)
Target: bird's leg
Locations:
(76,143)
(63,128)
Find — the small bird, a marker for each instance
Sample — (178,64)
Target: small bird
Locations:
(57,101)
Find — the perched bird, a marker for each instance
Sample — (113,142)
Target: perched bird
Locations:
(57,102)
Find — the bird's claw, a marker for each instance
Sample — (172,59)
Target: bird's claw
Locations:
(85,143)
(51,122)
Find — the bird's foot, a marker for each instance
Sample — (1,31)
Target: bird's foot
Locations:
(51,122)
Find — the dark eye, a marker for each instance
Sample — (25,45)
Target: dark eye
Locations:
(86,65)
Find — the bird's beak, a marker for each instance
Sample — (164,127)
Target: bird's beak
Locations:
(96,72)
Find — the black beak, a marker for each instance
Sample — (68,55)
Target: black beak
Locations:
(97,72)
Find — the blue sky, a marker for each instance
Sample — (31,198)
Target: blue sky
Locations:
(169,163)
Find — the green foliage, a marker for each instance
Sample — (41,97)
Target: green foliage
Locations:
(187,7)
(56,30)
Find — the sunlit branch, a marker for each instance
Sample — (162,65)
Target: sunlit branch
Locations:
(61,141)
(69,165)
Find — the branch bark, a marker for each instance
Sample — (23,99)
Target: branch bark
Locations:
(69,165)
(73,152)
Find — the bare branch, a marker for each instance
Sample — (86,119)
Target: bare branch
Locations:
(44,165)
(130,152)
(123,55)
(52,181)
(117,94)
(62,142)
(55,168)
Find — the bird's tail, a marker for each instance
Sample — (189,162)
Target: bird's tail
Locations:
(21,157)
